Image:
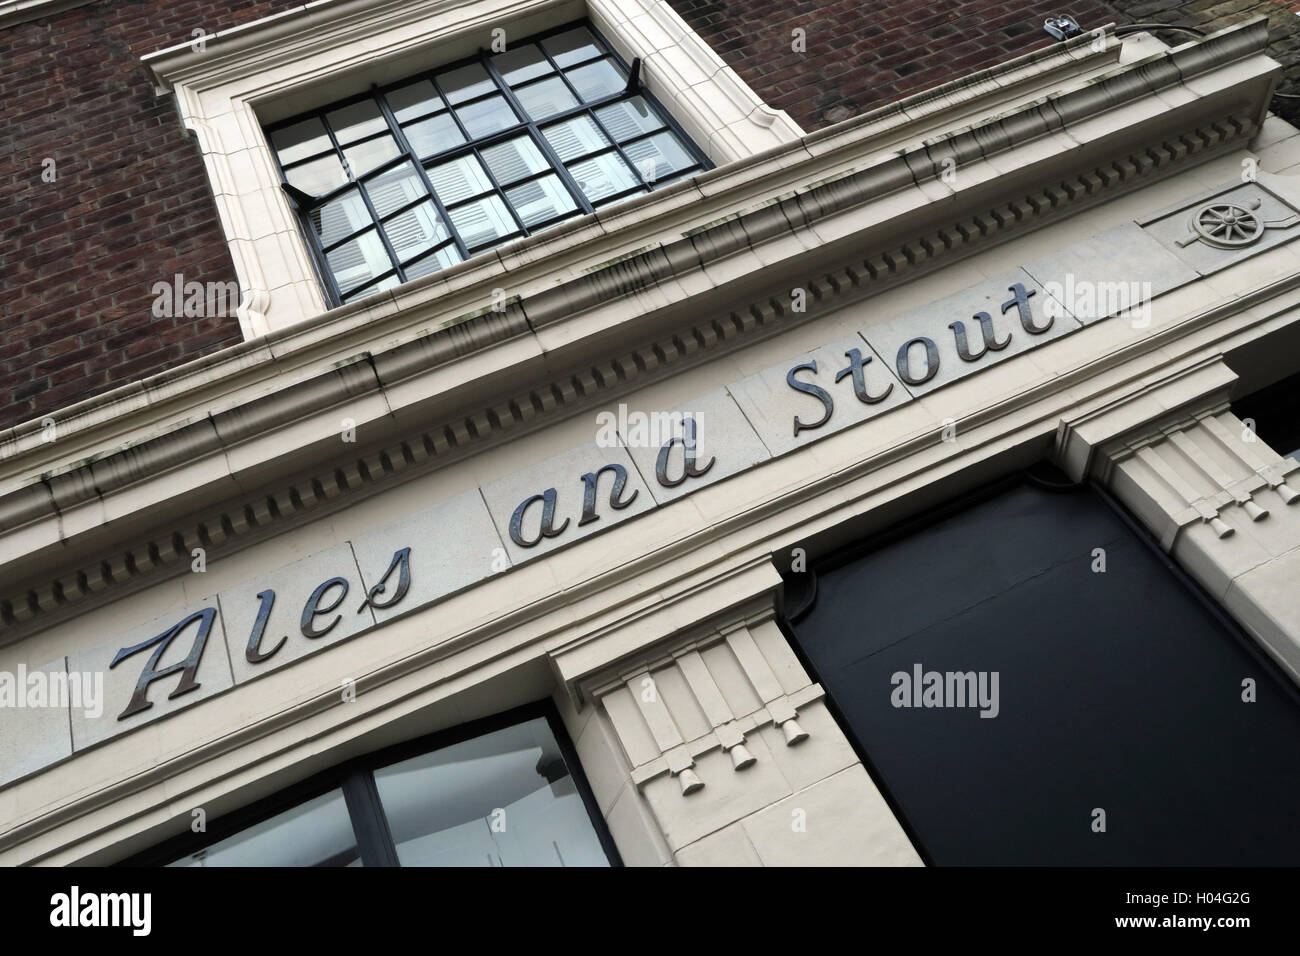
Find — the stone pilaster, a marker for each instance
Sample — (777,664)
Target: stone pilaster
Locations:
(1226,507)
(711,746)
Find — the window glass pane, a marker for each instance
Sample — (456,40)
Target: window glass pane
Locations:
(410,102)
(572,46)
(487,116)
(447,808)
(435,262)
(300,141)
(540,200)
(356,121)
(459,179)
(315,833)
(575,137)
(522,64)
(514,159)
(318,176)
(545,98)
(506,188)
(660,183)
(364,157)
(339,217)
(483,221)
(416,230)
(357,262)
(596,80)
(628,118)
(433,135)
(395,188)
(658,157)
(391,282)
(603,176)
(466,83)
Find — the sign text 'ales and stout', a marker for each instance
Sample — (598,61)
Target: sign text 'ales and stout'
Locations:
(915,355)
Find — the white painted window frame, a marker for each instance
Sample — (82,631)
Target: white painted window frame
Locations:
(228,84)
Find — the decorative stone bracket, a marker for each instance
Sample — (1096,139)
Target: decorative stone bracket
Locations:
(683,701)
(1191,470)
(704,738)
(1221,502)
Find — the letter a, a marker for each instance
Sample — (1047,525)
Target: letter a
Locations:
(139,698)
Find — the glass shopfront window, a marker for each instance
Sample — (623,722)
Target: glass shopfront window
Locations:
(315,833)
(503,799)
(505,792)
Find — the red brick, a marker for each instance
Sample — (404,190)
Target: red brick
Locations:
(80,255)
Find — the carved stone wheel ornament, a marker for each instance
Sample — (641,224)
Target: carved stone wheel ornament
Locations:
(1231,225)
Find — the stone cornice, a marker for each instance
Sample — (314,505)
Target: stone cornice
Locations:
(24,11)
(251,444)
(128,410)
(795,515)
(321,25)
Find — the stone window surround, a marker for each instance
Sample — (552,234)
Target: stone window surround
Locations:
(1230,511)
(126,408)
(14,12)
(228,84)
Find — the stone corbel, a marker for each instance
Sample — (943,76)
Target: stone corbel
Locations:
(703,736)
(681,700)
(1220,501)
(1195,468)
(690,691)
(1176,455)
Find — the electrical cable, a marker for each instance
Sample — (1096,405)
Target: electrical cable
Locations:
(1194,31)
(1133,27)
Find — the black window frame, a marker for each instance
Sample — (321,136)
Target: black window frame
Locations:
(304,204)
(1274,412)
(801,596)
(356,779)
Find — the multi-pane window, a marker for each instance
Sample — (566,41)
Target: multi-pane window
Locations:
(504,794)
(410,178)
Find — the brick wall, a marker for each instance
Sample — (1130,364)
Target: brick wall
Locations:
(130,203)
(861,54)
(1211,15)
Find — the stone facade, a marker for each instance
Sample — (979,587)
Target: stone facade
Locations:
(443,429)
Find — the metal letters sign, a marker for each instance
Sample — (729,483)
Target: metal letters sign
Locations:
(913,364)
(458,542)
